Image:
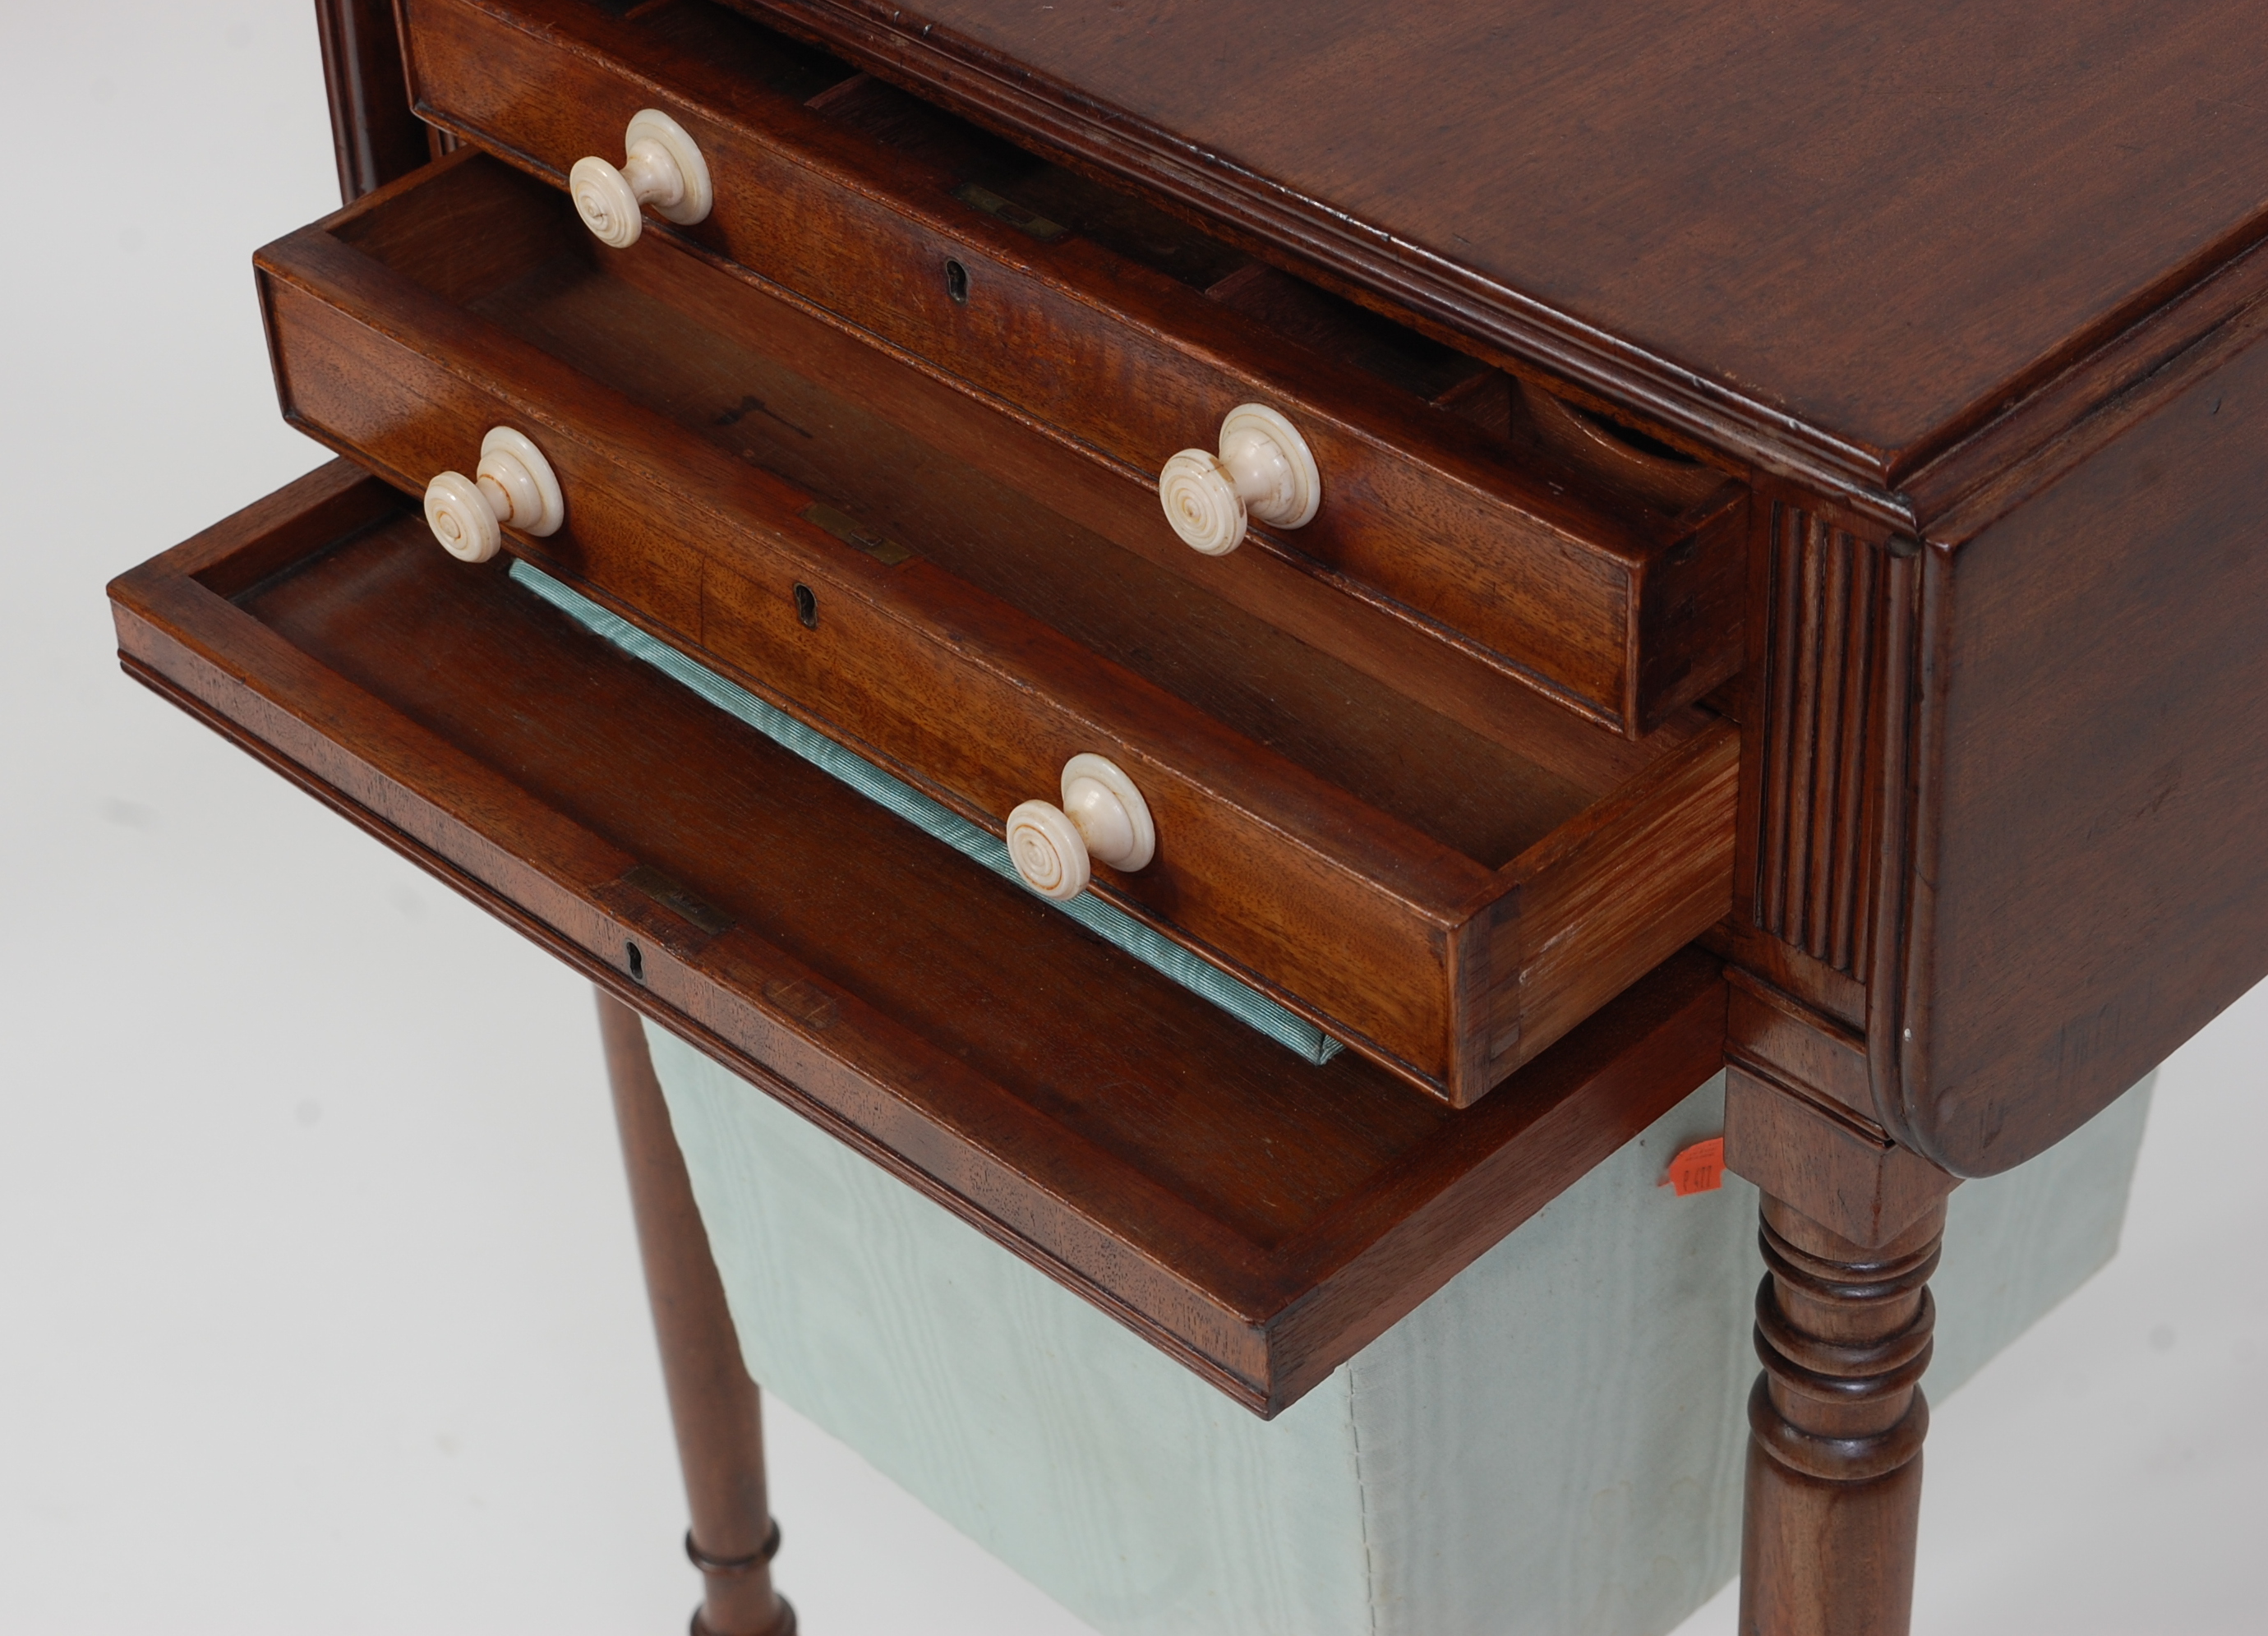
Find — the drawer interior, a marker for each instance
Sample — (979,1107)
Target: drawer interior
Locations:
(980,968)
(932,817)
(727,371)
(1608,458)
(1537,538)
(1259,1217)
(1623,463)
(858,541)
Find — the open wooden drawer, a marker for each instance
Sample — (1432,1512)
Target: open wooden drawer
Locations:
(1526,540)
(1446,903)
(1259,1218)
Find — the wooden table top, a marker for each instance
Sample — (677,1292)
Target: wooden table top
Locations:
(1854,230)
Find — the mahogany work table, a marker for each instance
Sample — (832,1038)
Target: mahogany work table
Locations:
(1734,543)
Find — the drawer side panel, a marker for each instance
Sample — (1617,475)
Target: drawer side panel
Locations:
(1608,897)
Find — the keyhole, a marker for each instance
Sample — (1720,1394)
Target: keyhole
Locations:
(956,282)
(637,957)
(806,607)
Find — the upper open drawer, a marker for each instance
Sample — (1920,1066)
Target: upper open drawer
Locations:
(753,487)
(1259,1218)
(1526,536)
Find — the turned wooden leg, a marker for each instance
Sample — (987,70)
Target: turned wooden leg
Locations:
(1836,1422)
(713,1404)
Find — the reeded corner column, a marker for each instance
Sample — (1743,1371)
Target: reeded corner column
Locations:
(713,1404)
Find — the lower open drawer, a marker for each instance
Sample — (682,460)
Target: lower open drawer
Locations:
(828,527)
(1258,1217)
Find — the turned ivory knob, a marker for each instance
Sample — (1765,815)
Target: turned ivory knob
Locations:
(664,169)
(1102,816)
(514,488)
(1263,469)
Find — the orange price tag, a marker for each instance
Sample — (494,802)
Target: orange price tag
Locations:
(1700,1168)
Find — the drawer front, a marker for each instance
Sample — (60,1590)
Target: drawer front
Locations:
(1257,1217)
(1623,613)
(1448,968)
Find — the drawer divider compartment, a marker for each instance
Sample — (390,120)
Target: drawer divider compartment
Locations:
(1366,863)
(1475,530)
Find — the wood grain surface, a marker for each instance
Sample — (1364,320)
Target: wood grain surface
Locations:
(1124,331)
(2084,888)
(1888,376)
(1437,899)
(1838,1167)
(907,1001)
(1838,1420)
(1842,237)
(375,135)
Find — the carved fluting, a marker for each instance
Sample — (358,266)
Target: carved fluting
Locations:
(1823,669)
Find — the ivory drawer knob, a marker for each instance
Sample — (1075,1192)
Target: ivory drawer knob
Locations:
(664,169)
(1102,816)
(514,487)
(1264,468)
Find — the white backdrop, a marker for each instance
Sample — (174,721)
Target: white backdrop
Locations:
(319,1307)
